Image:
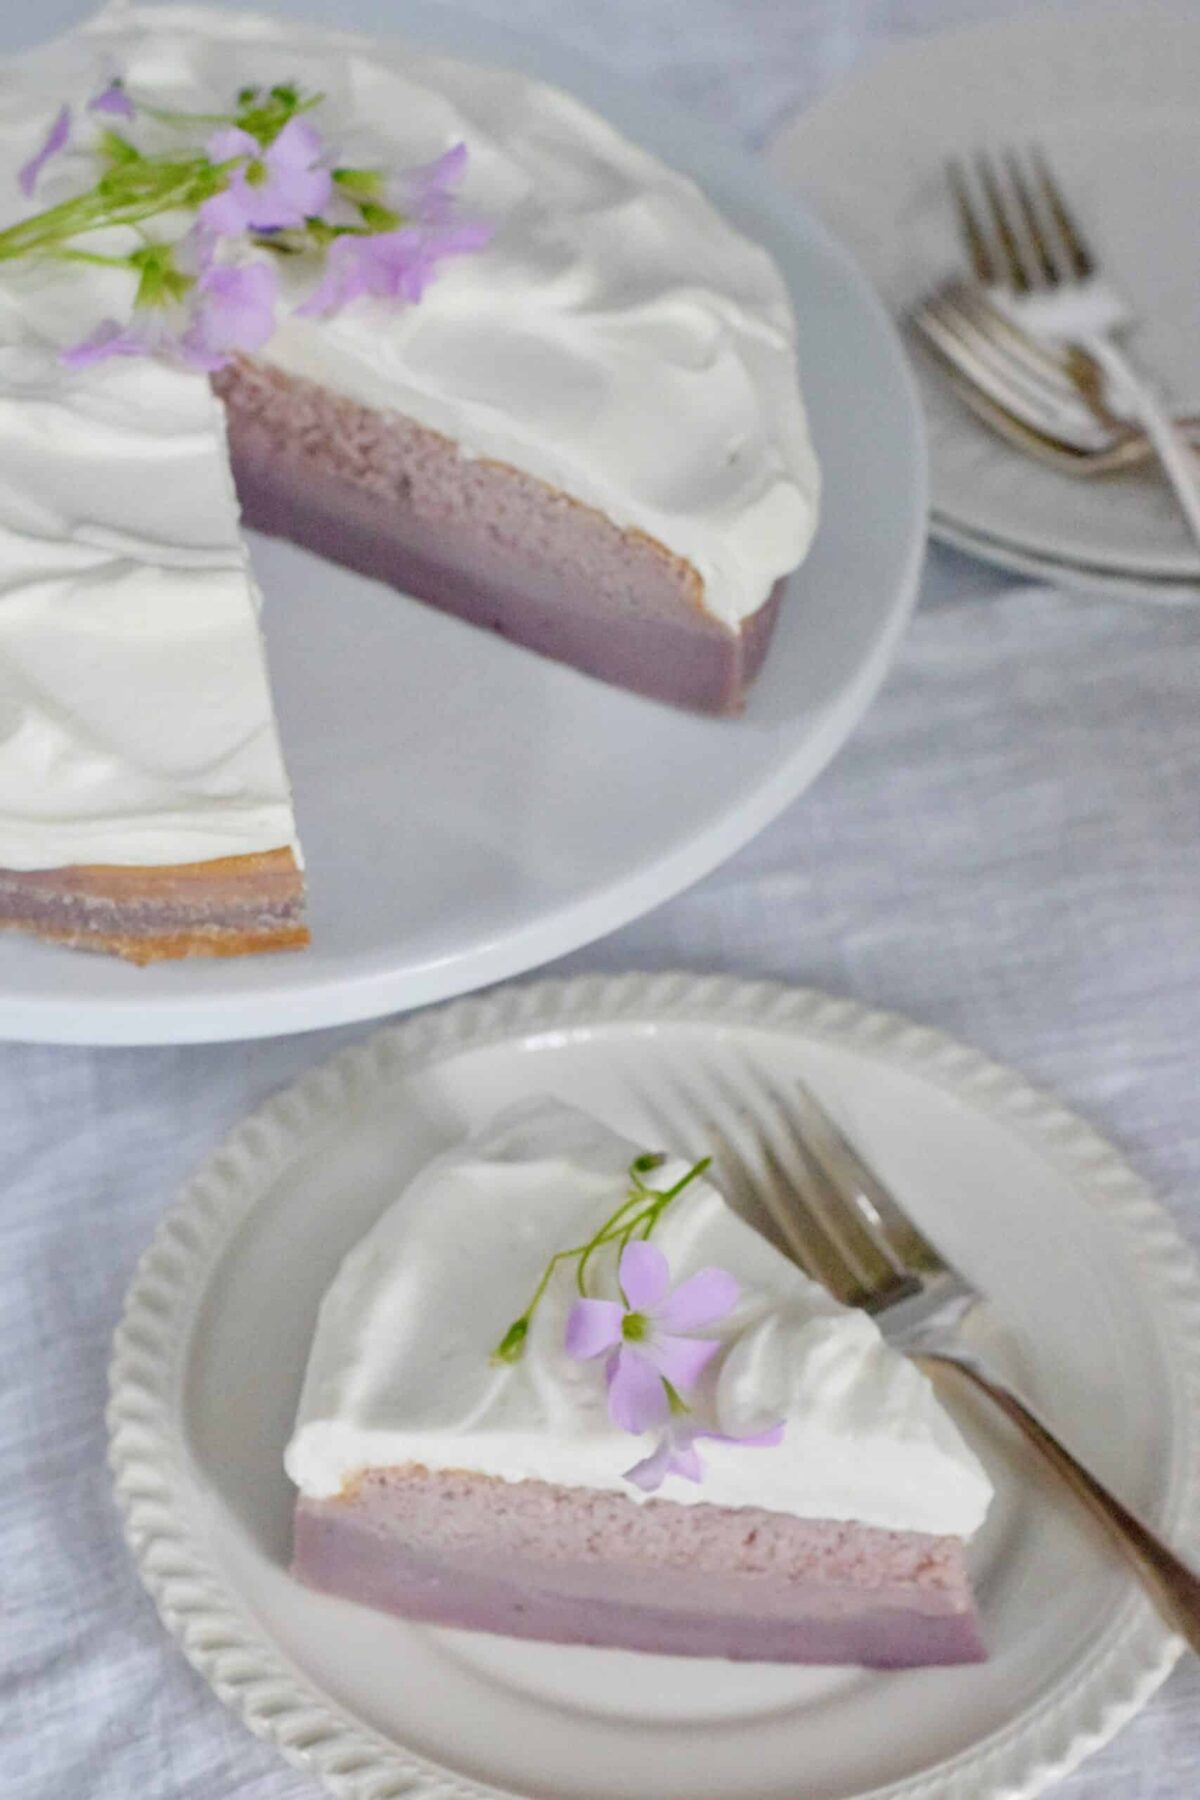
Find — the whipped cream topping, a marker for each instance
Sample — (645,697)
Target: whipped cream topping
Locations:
(136,723)
(400,1370)
(617,339)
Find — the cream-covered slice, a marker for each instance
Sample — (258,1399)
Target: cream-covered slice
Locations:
(136,724)
(401,1369)
(617,340)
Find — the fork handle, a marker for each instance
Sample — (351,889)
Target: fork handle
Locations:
(1166,1577)
(1136,399)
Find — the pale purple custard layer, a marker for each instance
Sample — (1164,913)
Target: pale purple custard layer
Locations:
(577,1566)
(383,495)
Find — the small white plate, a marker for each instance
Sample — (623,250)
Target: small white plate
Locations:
(1100,1295)
(469,810)
(1082,578)
(1111,96)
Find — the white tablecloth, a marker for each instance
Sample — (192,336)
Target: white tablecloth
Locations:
(1009,849)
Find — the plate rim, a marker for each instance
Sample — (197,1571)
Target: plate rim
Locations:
(148,1461)
(351,993)
(1070,578)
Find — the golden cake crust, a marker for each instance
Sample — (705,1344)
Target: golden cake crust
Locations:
(87,906)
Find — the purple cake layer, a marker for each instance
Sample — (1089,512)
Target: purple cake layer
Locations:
(383,495)
(578,1566)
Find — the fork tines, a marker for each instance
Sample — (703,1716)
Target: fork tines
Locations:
(1017,227)
(787,1164)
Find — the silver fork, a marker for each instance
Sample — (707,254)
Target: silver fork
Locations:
(1026,247)
(804,1183)
(1024,388)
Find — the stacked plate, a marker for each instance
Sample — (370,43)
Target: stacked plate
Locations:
(1110,96)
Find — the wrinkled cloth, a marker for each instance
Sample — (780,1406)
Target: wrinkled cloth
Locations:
(1008,849)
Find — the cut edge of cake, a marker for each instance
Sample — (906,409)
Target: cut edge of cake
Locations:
(576,1566)
(391,498)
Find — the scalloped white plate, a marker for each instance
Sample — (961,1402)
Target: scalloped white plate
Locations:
(1102,1302)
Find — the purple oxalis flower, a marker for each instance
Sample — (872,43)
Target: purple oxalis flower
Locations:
(389,265)
(234,310)
(400,264)
(676,1453)
(643,1339)
(230,307)
(56,138)
(113,100)
(153,331)
(427,193)
(270,189)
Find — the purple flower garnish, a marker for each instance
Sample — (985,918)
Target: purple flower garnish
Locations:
(427,192)
(389,265)
(275,177)
(56,138)
(151,332)
(676,1454)
(234,310)
(271,189)
(229,308)
(647,1355)
(113,100)
(400,264)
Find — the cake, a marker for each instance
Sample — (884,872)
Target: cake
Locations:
(582,430)
(730,1466)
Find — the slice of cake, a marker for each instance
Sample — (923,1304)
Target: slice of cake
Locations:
(563,1391)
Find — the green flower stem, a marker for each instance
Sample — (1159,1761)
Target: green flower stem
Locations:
(118,149)
(87,256)
(126,195)
(648,1206)
(264,121)
(512,1343)
(165,116)
(612,1229)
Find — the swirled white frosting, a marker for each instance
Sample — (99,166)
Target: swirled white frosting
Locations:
(400,1368)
